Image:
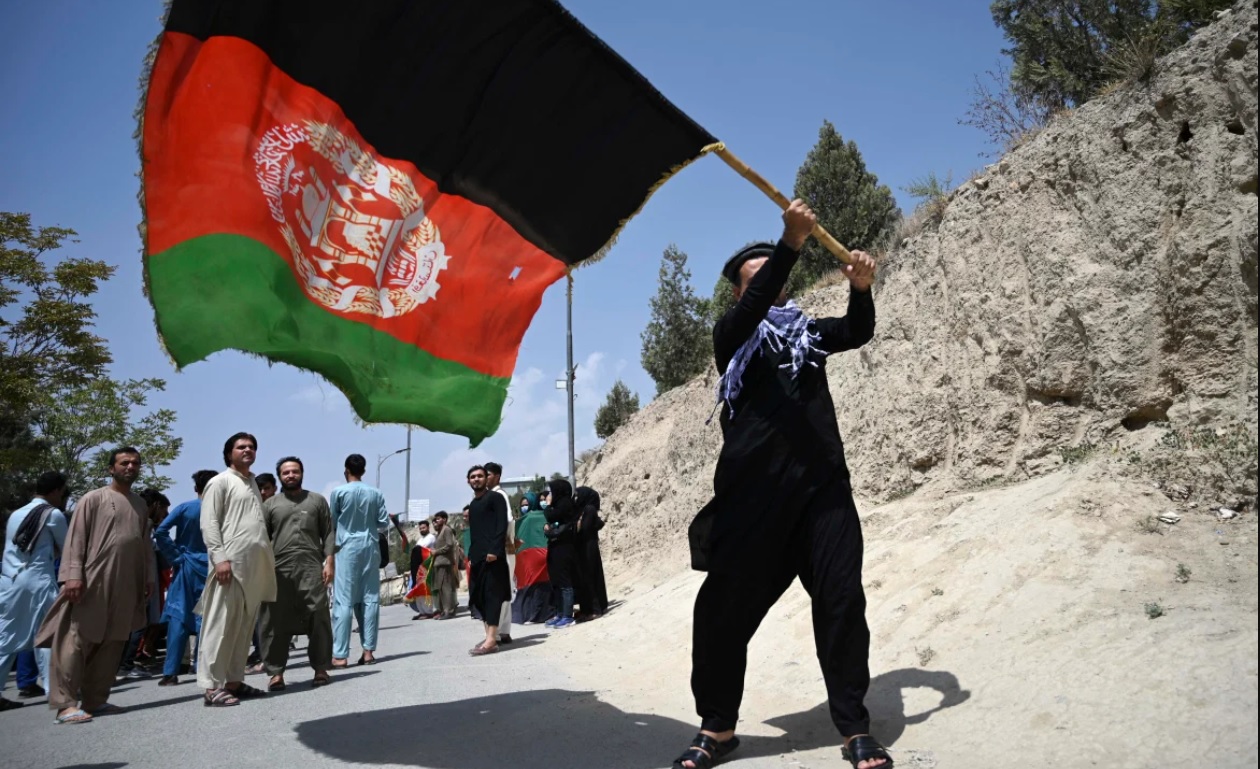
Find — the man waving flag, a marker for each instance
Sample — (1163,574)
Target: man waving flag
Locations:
(381,192)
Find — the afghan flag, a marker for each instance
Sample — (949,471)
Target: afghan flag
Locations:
(533,602)
(381,191)
(421,576)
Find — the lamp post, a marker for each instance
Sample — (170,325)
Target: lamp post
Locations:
(407,481)
(380,460)
(568,378)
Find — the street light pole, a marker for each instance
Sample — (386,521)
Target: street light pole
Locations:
(407,482)
(569,373)
(380,460)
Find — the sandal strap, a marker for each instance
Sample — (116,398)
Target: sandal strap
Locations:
(219,697)
(698,758)
(866,748)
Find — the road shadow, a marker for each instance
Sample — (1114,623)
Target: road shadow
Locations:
(885,700)
(110,765)
(522,643)
(524,724)
(160,704)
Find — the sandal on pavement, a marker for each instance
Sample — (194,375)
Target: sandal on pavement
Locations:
(321,679)
(276,684)
(79,716)
(220,698)
(866,748)
(706,751)
(247,692)
(481,651)
(169,681)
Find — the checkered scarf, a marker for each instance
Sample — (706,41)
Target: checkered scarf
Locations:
(783,327)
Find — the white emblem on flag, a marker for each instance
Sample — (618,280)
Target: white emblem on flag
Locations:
(356,227)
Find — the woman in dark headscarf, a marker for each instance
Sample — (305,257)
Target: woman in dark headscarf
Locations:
(561,547)
(592,594)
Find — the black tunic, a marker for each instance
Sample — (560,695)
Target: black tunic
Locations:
(592,591)
(561,550)
(491,586)
(783,443)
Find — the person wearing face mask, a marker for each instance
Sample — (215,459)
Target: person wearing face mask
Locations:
(533,602)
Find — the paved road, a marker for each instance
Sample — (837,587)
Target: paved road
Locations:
(426,705)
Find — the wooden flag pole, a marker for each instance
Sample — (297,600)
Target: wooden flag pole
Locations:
(759,181)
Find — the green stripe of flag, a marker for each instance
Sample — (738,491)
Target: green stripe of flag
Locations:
(226,291)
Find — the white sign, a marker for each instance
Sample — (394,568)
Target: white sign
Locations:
(417,509)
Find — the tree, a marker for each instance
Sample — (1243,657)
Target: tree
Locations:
(676,343)
(81,424)
(49,343)
(620,405)
(58,408)
(850,202)
(46,340)
(1065,51)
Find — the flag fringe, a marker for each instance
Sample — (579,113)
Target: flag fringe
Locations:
(670,174)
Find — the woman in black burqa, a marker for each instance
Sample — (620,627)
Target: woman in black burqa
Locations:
(592,593)
(561,531)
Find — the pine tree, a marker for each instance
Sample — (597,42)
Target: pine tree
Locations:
(1065,51)
(676,343)
(850,202)
(620,405)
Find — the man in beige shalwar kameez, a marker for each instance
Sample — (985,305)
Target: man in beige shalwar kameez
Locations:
(242,574)
(106,575)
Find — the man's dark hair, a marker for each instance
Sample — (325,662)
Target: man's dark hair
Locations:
(493,468)
(441,514)
(201,478)
(356,465)
(154,497)
(423,523)
(301,466)
(265,479)
(113,455)
(474,469)
(231,444)
(48,482)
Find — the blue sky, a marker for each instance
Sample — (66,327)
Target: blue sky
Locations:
(895,77)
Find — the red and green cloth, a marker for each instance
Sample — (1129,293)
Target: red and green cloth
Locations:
(531,556)
(422,589)
(380,192)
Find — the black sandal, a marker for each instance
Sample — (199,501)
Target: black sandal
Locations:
(246,692)
(866,748)
(705,752)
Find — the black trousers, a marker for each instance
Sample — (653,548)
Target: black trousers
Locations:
(824,549)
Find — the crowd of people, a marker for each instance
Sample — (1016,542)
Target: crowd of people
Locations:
(504,583)
(220,586)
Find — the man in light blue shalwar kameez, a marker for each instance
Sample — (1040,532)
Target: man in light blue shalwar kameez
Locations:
(179,539)
(360,515)
(28,579)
